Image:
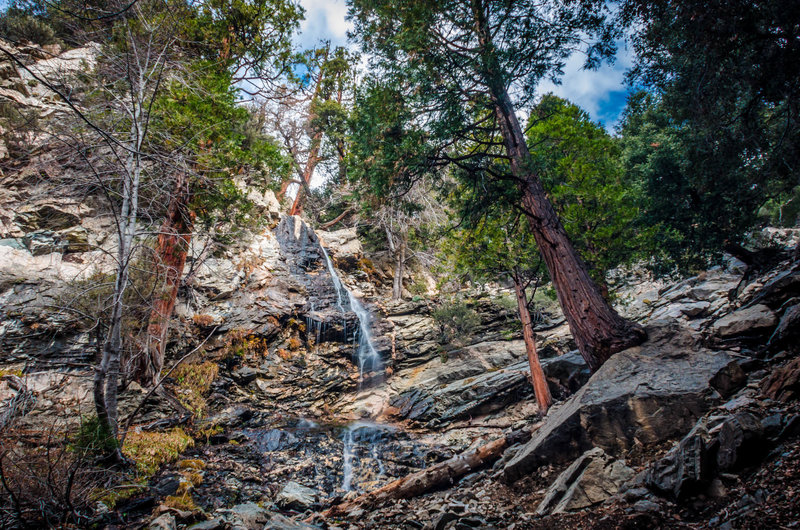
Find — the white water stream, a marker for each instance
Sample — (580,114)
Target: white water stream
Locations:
(368,361)
(366,355)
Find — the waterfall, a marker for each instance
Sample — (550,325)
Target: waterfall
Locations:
(366,355)
(347,466)
(369,436)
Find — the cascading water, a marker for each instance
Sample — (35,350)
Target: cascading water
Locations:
(368,435)
(368,360)
(367,356)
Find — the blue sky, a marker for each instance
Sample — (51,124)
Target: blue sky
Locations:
(602,93)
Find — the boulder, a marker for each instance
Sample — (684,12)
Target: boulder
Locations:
(753,320)
(649,393)
(473,385)
(591,479)
(281,522)
(741,442)
(695,309)
(687,468)
(247,516)
(341,243)
(784,383)
(165,521)
(787,334)
(296,496)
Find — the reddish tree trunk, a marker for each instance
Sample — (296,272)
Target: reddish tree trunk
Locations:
(308,172)
(171,250)
(540,388)
(598,330)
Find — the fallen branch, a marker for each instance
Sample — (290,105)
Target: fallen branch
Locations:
(341,216)
(441,475)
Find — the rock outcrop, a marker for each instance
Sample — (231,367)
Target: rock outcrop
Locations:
(591,479)
(649,393)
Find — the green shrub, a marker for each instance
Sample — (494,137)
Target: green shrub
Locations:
(93,437)
(18,27)
(455,320)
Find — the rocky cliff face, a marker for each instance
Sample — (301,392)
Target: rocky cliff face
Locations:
(289,421)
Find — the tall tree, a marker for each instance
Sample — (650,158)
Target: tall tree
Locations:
(467,66)
(581,169)
(310,115)
(202,125)
(719,134)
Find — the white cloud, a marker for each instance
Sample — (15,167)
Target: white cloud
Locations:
(325,20)
(592,90)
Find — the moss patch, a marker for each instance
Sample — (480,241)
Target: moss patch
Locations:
(151,450)
(192,383)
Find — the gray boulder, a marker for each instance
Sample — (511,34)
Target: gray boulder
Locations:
(741,442)
(247,516)
(753,320)
(164,521)
(591,479)
(650,393)
(687,468)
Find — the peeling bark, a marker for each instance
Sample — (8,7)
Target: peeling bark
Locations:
(171,251)
(540,388)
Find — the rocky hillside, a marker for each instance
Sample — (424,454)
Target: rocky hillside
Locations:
(294,384)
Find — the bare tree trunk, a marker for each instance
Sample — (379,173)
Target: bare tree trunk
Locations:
(106,379)
(399,272)
(171,251)
(540,388)
(598,330)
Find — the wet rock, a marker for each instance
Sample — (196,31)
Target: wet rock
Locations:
(649,393)
(753,320)
(591,479)
(783,384)
(741,442)
(296,496)
(687,468)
